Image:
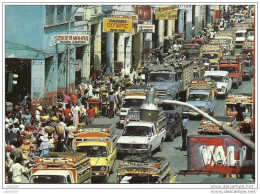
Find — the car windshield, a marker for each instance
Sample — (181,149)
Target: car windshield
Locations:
(217,78)
(160,77)
(240,34)
(132,102)
(198,97)
(93,151)
(42,179)
(136,131)
(229,69)
(135,178)
(210,56)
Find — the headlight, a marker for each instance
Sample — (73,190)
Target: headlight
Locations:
(102,168)
(144,146)
(222,88)
(168,92)
(202,108)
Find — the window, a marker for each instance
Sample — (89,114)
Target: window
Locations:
(49,14)
(60,9)
(68,12)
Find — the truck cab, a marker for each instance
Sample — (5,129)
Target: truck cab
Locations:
(142,136)
(201,94)
(224,82)
(240,38)
(166,83)
(133,99)
(235,68)
(213,53)
(141,169)
(99,143)
(60,168)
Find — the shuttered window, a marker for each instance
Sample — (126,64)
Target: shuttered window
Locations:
(60,9)
(68,12)
(49,14)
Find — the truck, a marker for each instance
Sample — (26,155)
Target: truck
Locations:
(224,82)
(171,82)
(213,53)
(142,169)
(191,49)
(143,136)
(99,143)
(207,127)
(202,94)
(133,98)
(234,66)
(241,106)
(61,167)
(225,42)
(240,37)
(248,47)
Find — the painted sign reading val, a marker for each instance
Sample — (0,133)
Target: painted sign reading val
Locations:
(117,25)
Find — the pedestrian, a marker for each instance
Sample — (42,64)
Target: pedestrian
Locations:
(67,114)
(38,113)
(75,113)
(70,131)
(111,99)
(90,114)
(184,132)
(27,118)
(44,145)
(131,75)
(17,170)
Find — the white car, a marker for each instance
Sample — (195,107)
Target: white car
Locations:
(224,82)
(140,137)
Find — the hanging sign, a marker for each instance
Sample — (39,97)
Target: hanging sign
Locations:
(117,25)
(145,28)
(71,39)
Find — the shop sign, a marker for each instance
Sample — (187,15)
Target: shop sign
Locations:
(145,28)
(117,25)
(166,15)
(71,39)
(133,17)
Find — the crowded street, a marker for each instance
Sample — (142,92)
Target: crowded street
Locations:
(130,94)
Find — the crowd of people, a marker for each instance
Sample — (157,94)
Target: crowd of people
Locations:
(32,133)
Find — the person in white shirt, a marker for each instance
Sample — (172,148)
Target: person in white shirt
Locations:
(17,170)
(131,75)
(75,113)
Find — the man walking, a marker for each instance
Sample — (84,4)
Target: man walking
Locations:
(184,131)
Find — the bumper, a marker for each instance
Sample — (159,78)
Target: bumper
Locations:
(130,151)
(246,76)
(96,174)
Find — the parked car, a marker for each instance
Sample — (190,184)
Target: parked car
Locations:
(173,125)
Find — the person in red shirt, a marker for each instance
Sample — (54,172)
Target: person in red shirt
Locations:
(67,112)
(90,114)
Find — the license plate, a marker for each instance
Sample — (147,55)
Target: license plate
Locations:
(97,173)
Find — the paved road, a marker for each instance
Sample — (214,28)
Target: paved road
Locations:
(171,150)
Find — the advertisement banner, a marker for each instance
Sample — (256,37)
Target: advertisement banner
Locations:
(146,28)
(71,39)
(221,154)
(133,17)
(166,15)
(117,25)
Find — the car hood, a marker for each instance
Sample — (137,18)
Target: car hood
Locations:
(133,140)
(98,161)
(197,103)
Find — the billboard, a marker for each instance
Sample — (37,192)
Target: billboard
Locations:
(219,154)
(71,39)
(117,25)
(146,28)
(144,12)
(133,17)
(166,13)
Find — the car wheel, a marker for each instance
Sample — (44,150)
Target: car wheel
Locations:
(161,146)
(235,85)
(240,83)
